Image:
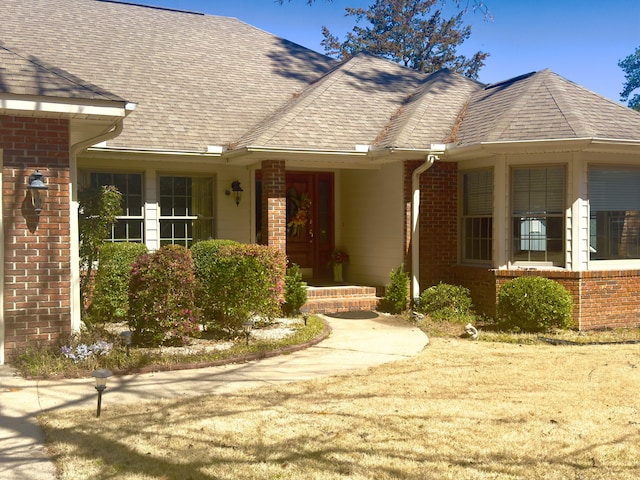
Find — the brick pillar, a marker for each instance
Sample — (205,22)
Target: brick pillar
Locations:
(37,266)
(438,224)
(274,204)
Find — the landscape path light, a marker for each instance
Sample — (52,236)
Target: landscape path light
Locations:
(247,325)
(101,376)
(126,340)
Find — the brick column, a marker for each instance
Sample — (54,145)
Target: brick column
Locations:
(37,273)
(438,224)
(274,204)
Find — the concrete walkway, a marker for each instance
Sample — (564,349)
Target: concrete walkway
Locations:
(352,345)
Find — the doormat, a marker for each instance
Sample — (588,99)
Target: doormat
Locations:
(355,315)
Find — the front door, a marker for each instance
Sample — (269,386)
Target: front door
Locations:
(310,228)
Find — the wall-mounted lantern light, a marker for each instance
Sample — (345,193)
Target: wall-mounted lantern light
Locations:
(237,191)
(37,188)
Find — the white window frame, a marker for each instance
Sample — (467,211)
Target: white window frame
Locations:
(477,212)
(538,216)
(172,218)
(125,218)
(622,176)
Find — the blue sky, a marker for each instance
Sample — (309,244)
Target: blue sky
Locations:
(582,40)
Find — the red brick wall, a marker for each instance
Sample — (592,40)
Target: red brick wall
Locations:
(481,283)
(37,276)
(274,204)
(570,280)
(438,224)
(601,299)
(610,299)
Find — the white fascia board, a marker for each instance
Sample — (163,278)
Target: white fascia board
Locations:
(65,109)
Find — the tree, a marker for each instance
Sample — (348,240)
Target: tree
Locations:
(476,5)
(98,209)
(631,67)
(408,32)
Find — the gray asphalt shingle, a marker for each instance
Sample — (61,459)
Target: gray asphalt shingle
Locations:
(203,80)
(28,76)
(541,106)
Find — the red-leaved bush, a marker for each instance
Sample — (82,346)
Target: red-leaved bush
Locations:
(162,307)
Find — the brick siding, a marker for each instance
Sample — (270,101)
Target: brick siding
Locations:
(438,223)
(274,204)
(601,299)
(37,276)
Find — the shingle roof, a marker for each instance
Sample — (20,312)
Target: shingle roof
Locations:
(350,105)
(29,76)
(198,80)
(203,80)
(430,114)
(540,106)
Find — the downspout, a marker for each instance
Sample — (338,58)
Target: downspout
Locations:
(415,217)
(76,318)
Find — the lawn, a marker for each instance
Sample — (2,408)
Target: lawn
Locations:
(459,410)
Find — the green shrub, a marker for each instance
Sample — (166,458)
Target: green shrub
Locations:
(98,209)
(111,291)
(446,302)
(238,282)
(162,291)
(397,291)
(534,304)
(295,291)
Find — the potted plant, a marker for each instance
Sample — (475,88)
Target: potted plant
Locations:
(338,258)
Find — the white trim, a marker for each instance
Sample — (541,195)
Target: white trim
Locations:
(415,221)
(74,240)
(75,110)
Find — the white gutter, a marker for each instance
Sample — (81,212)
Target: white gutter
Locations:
(437,150)
(74,240)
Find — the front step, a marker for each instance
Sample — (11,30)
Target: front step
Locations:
(340,299)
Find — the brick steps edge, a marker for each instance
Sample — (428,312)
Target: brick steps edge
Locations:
(341,304)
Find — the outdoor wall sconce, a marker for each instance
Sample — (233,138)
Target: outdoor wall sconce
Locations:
(101,385)
(37,187)
(237,191)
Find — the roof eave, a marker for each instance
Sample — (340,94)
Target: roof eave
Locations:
(362,156)
(26,105)
(515,147)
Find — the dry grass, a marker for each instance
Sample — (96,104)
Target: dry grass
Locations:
(459,410)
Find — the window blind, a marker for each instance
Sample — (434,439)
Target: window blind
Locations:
(614,190)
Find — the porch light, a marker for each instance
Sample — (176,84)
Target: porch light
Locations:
(237,191)
(101,385)
(37,187)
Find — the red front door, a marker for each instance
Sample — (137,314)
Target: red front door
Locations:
(310,228)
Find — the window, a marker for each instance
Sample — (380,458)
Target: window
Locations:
(186,210)
(614,201)
(129,227)
(477,216)
(538,214)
